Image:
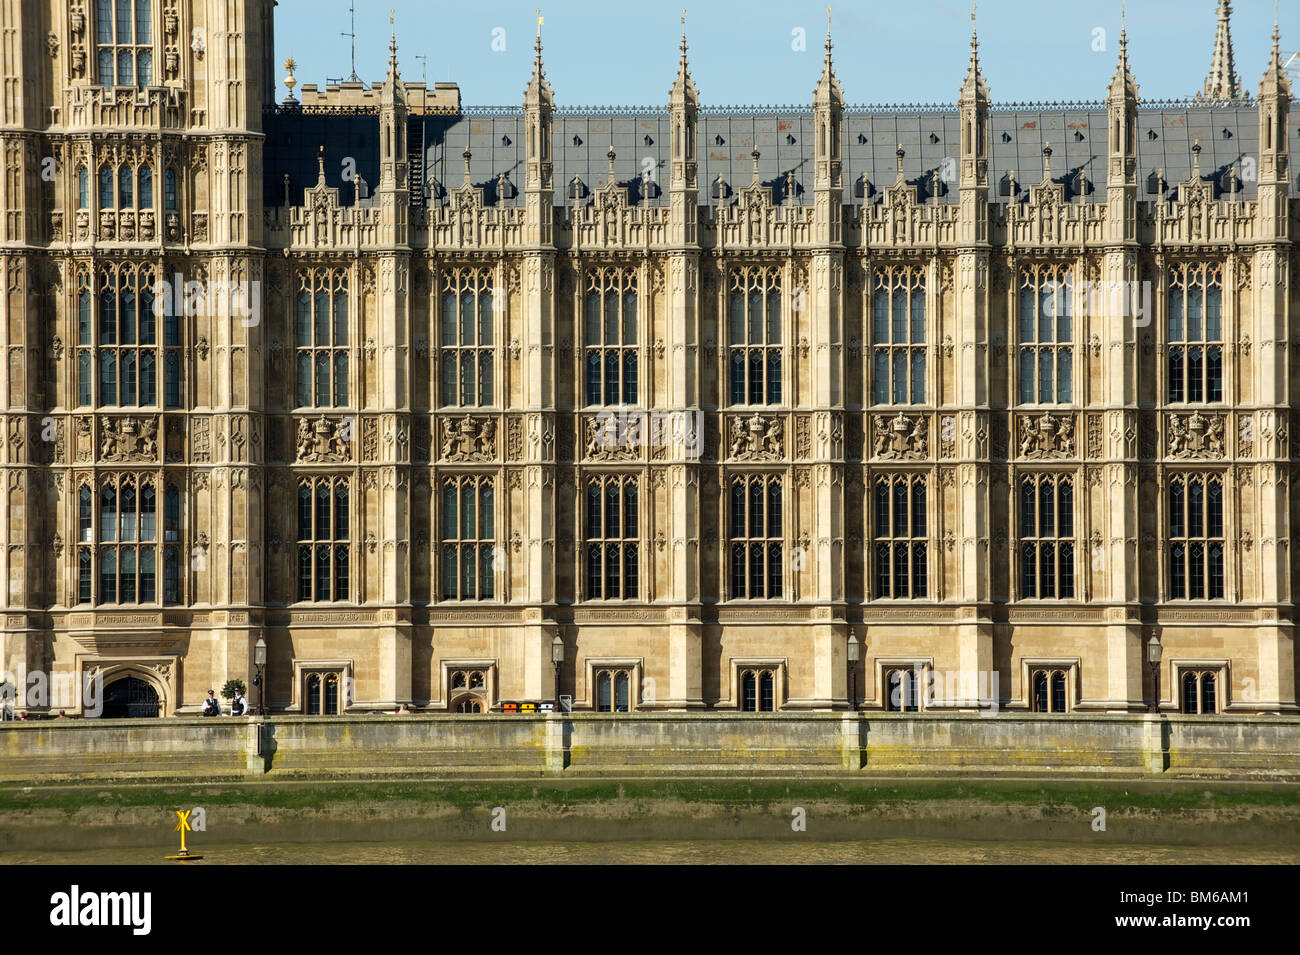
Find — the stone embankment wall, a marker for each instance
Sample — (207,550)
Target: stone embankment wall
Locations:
(654,744)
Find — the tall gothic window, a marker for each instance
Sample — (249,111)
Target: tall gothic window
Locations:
(124,42)
(754,335)
(122,520)
(755,539)
(1047,536)
(611,337)
(467,335)
(321,333)
(898,336)
(1196,541)
(900,533)
(468,538)
(116,349)
(1046,335)
(324,533)
(612,535)
(1195,367)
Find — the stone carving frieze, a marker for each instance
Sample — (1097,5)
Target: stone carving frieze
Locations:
(1195,435)
(905,437)
(1045,436)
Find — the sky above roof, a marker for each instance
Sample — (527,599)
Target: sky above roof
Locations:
(758,52)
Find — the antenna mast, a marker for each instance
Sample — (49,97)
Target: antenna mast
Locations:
(352,13)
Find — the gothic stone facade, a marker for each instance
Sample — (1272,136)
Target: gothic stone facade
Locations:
(395,470)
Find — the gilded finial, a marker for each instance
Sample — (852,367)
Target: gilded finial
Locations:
(290,65)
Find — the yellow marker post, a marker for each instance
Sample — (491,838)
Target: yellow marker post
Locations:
(183,826)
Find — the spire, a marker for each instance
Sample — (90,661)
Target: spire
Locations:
(1122,85)
(538,89)
(974,87)
(1222,83)
(828,87)
(683,86)
(392,43)
(1275,75)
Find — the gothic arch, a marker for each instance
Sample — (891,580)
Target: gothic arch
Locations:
(112,674)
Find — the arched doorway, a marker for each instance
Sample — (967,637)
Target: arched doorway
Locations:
(129,698)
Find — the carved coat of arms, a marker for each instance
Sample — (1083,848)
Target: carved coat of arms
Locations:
(129,439)
(756,438)
(1196,436)
(901,437)
(469,439)
(321,440)
(1046,436)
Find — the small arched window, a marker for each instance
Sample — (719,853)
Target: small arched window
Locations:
(105,187)
(83,188)
(146,187)
(125,188)
(169,190)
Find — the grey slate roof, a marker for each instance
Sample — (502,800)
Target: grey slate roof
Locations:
(784,139)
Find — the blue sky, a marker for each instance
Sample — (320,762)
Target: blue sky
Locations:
(607,52)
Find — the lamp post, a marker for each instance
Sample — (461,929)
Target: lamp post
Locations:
(853,672)
(259,660)
(1154,650)
(557,657)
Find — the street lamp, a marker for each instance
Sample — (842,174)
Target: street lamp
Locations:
(853,672)
(1154,650)
(557,657)
(259,660)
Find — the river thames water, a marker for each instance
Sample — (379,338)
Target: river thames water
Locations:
(721,852)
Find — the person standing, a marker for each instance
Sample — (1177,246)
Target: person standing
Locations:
(211,706)
(239,705)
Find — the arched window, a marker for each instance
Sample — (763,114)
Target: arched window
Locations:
(324,532)
(1046,335)
(1195,334)
(83,188)
(756,536)
(754,335)
(901,534)
(467,307)
(468,539)
(898,336)
(169,190)
(611,534)
(125,188)
(900,689)
(1047,536)
(613,691)
(1199,691)
(1048,691)
(758,690)
(124,42)
(321,334)
(1196,541)
(146,187)
(611,336)
(105,187)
